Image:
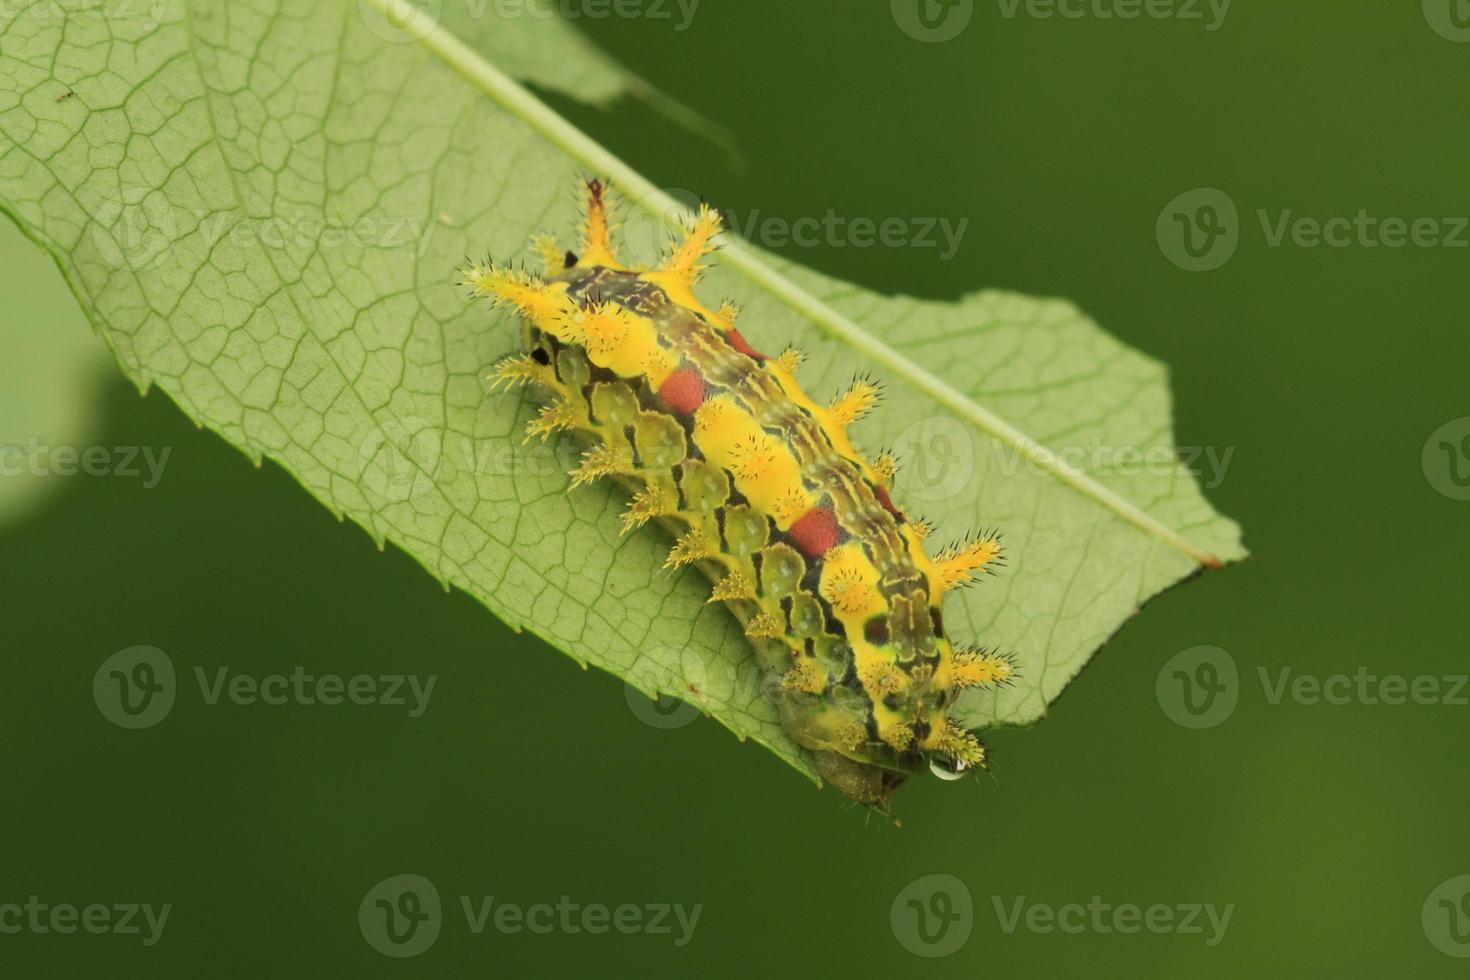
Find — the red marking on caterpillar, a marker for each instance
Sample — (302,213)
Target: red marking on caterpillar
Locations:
(684,391)
(881,492)
(816,532)
(739,343)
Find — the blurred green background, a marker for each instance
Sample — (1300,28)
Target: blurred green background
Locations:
(1325,369)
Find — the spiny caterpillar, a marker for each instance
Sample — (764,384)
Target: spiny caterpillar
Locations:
(763,491)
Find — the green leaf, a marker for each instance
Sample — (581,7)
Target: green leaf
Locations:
(531,41)
(261,206)
(50,373)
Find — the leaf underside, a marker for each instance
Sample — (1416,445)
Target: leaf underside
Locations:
(261,204)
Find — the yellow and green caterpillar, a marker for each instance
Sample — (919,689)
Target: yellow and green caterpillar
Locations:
(765,493)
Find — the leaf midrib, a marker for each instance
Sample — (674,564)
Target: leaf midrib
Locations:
(740,256)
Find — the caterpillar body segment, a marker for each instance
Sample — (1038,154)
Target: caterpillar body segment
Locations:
(761,489)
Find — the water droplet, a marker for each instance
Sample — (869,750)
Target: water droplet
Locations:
(945,771)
